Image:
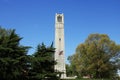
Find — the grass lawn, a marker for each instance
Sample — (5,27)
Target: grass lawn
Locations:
(99,79)
(88,79)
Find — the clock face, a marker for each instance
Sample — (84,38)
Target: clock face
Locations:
(59,18)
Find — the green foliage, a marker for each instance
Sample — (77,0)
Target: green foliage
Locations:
(97,57)
(69,72)
(13,56)
(15,64)
(42,64)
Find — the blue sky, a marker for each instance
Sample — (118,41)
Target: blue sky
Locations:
(34,20)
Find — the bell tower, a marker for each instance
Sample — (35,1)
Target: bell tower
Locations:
(59,44)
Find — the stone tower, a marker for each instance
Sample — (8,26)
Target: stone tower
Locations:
(59,44)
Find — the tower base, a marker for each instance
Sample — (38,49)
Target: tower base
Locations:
(69,77)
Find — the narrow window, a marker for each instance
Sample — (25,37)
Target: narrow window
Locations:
(59,39)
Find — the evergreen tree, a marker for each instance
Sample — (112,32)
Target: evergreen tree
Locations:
(42,64)
(13,56)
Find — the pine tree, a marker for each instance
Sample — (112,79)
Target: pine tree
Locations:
(42,64)
(13,56)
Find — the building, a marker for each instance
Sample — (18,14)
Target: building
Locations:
(59,44)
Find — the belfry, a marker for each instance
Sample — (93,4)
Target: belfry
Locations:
(59,45)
